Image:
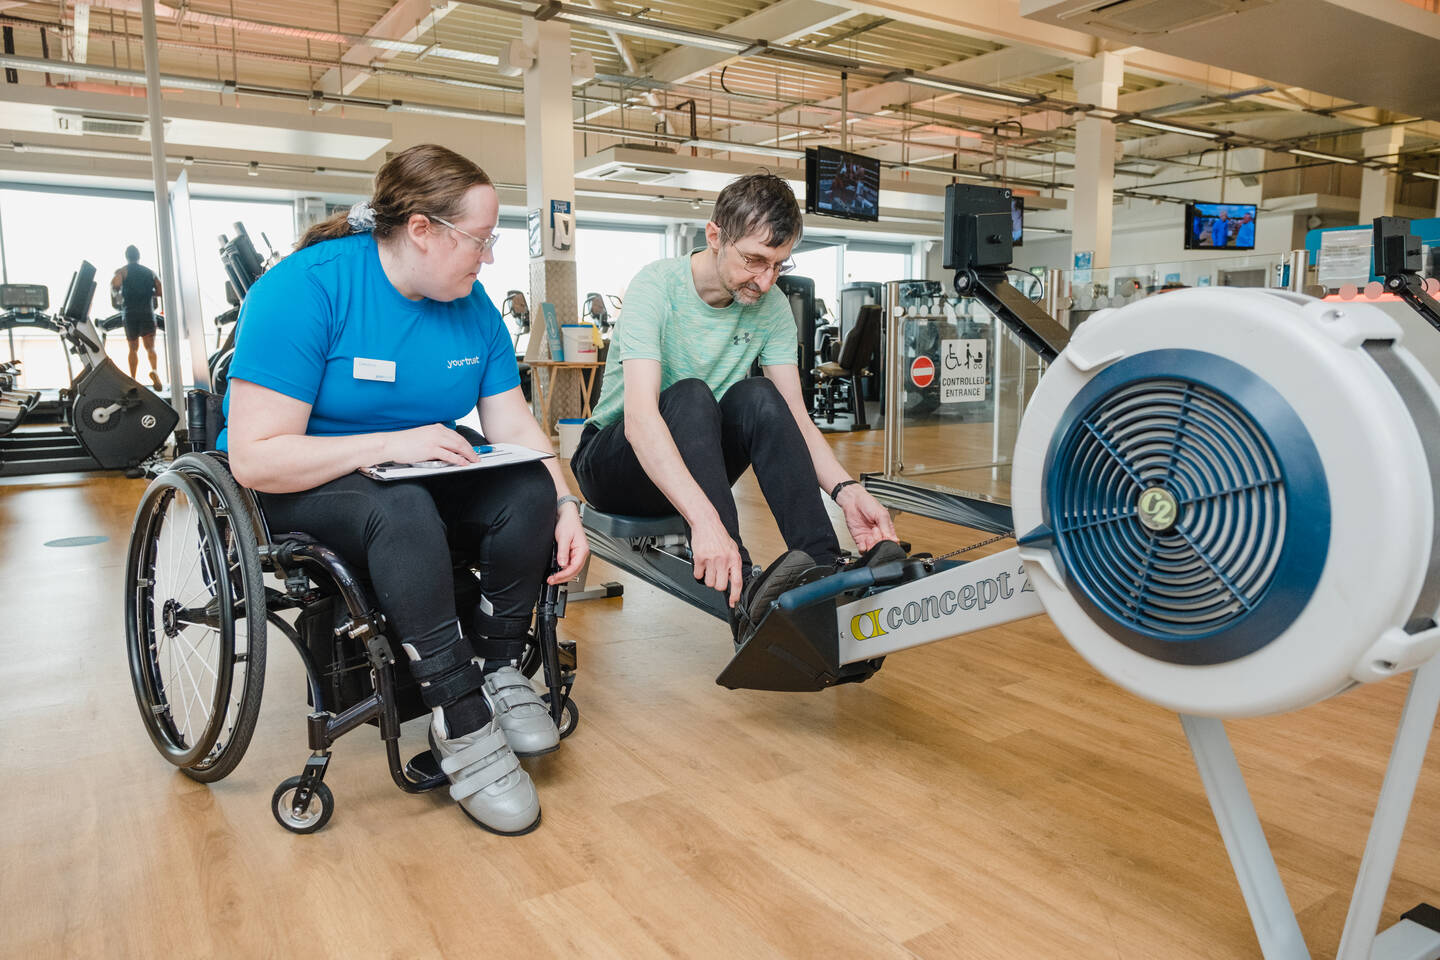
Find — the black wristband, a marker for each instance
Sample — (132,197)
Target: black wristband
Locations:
(835,494)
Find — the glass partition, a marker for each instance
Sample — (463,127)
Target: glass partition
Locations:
(960,381)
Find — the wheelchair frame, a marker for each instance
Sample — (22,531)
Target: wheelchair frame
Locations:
(235,551)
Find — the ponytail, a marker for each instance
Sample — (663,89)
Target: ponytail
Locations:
(427,179)
(331,228)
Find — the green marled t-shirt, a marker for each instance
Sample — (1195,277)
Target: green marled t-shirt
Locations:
(664,319)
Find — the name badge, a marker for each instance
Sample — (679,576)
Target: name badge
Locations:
(382,370)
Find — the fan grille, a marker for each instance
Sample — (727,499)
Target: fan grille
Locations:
(1213,564)
(1173,508)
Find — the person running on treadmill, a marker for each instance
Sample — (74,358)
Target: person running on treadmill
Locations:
(137,284)
(679,419)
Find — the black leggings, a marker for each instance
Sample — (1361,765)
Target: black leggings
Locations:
(718,440)
(400,534)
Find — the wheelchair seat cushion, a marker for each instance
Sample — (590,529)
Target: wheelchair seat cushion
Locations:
(624,527)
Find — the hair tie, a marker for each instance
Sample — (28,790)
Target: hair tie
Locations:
(361,217)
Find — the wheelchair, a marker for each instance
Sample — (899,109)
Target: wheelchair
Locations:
(198,609)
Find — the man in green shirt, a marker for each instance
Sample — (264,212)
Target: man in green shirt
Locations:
(679,419)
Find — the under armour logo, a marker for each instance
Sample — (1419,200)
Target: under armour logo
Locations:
(740,338)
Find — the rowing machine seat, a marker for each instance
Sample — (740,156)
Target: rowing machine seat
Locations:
(624,527)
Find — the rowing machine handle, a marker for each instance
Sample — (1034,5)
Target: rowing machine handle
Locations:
(828,588)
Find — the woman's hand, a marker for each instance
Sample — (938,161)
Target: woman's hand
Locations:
(867,521)
(571,548)
(433,442)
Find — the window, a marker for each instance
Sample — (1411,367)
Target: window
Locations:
(212,218)
(876,262)
(822,265)
(511,269)
(46,235)
(606,258)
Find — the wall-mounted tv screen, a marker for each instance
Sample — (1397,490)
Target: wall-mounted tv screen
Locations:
(1220,226)
(1017,221)
(840,184)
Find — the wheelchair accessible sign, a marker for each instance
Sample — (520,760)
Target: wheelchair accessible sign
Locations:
(963,368)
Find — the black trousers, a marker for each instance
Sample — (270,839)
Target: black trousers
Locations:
(400,534)
(718,440)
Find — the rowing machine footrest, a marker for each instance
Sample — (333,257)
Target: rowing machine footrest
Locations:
(794,648)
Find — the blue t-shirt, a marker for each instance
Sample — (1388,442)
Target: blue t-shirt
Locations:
(309,325)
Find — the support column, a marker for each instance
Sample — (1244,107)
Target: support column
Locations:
(550,181)
(1097,82)
(1377,187)
(174,312)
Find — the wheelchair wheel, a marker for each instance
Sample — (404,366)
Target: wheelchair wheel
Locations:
(569,715)
(316,813)
(195,617)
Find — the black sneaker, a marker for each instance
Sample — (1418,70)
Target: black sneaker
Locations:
(761,590)
(886,551)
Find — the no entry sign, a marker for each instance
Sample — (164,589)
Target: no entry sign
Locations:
(922,371)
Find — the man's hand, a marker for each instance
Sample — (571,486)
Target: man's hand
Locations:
(717,558)
(867,521)
(571,547)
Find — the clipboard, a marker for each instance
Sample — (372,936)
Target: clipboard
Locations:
(497,455)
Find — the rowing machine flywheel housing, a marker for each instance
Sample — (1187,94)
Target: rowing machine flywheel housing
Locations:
(1226,499)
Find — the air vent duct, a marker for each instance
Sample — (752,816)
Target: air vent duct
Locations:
(1141,18)
(83,124)
(634,174)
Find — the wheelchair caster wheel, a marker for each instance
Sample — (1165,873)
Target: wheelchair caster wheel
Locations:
(569,716)
(316,814)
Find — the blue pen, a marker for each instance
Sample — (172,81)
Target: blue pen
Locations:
(485,449)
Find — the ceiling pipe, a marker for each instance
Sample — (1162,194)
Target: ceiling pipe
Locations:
(649,27)
(622,47)
(189,16)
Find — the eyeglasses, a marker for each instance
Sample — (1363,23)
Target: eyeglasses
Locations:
(759,266)
(485,242)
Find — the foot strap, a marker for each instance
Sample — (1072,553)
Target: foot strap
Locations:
(499,638)
(447,674)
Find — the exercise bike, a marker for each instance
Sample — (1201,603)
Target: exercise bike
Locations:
(243,266)
(1196,508)
(108,420)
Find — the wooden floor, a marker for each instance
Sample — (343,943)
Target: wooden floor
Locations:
(985,797)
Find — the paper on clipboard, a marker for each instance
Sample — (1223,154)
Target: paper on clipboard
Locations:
(500,455)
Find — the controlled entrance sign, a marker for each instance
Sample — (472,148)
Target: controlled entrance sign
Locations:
(963,379)
(922,371)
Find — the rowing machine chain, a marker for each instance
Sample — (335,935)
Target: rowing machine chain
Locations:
(975,546)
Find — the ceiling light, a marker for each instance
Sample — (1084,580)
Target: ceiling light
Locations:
(782,152)
(1174,128)
(401,106)
(635,27)
(1425,176)
(939,171)
(469,56)
(136,77)
(1320,156)
(955,86)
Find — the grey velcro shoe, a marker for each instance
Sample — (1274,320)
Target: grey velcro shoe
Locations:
(486,779)
(522,715)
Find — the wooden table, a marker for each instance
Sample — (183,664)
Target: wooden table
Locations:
(586,370)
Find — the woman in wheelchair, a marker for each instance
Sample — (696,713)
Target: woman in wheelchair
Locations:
(363,347)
